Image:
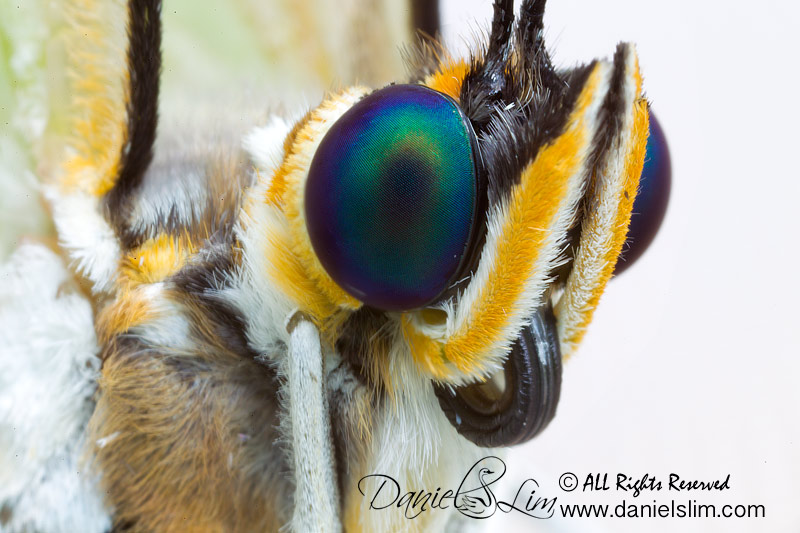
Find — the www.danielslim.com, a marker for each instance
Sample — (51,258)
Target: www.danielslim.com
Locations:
(673,509)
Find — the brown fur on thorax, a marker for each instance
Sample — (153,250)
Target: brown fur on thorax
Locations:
(187,440)
(185,436)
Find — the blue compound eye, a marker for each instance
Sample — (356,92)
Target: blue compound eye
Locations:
(392,197)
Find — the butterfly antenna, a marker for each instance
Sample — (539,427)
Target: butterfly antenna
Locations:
(425,17)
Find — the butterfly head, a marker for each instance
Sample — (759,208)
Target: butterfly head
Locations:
(470,218)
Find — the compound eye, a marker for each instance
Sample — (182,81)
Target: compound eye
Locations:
(392,197)
(650,204)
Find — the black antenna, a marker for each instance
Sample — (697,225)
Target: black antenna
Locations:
(530,42)
(144,70)
(425,17)
(531,25)
(486,82)
(492,74)
(502,24)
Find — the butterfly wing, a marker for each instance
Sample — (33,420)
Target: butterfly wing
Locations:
(25,108)
(48,372)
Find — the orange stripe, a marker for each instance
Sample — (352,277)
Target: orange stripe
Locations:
(530,215)
(634,162)
(288,273)
(277,185)
(428,353)
(98,107)
(301,272)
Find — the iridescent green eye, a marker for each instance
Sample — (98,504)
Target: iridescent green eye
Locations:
(393,195)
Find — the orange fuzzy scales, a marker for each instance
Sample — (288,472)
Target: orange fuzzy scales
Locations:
(449,78)
(288,272)
(98,104)
(529,216)
(131,308)
(277,185)
(427,352)
(157,258)
(296,267)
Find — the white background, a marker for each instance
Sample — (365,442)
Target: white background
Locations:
(691,364)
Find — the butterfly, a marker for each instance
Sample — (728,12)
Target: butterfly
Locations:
(243,330)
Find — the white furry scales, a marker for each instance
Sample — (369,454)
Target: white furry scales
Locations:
(48,368)
(317,495)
